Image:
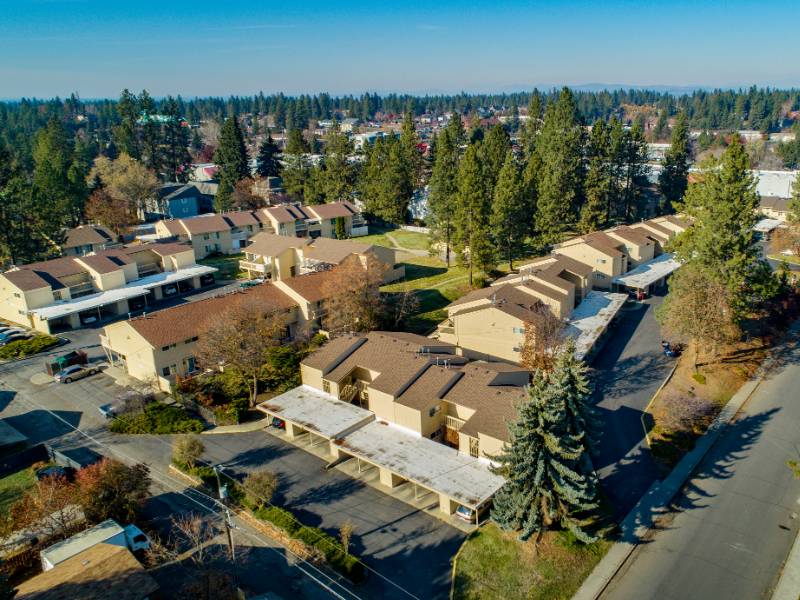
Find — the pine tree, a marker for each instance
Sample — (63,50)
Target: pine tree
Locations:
(443,198)
(385,185)
(125,135)
(509,216)
(471,218)
(559,149)
(570,382)
(296,169)
(636,170)
(794,203)
(150,132)
(661,129)
(268,164)
(722,206)
(494,149)
(673,180)
(176,157)
(599,180)
(338,174)
(543,466)
(231,156)
(409,141)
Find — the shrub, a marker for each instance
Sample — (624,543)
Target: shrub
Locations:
(157,419)
(280,518)
(259,487)
(699,378)
(186,450)
(22,348)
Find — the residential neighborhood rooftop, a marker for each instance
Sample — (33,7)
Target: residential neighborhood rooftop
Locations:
(649,272)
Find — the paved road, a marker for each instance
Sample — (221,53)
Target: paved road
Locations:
(629,369)
(735,521)
(408,546)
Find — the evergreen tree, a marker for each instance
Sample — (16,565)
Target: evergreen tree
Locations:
(599,180)
(150,132)
(267,163)
(509,216)
(443,198)
(794,203)
(231,157)
(543,463)
(661,129)
(296,168)
(636,171)
(412,158)
(720,243)
(125,136)
(385,185)
(197,141)
(618,154)
(338,174)
(471,218)
(176,157)
(494,150)
(560,179)
(673,180)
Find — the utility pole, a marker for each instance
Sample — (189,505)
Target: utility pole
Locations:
(222,492)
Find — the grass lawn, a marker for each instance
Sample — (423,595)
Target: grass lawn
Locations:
(789,258)
(436,286)
(13,487)
(494,564)
(411,239)
(228,265)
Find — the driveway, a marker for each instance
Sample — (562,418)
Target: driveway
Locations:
(407,546)
(627,372)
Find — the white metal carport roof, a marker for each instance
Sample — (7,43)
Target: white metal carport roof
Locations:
(591,318)
(767,225)
(439,468)
(317,411)
(649,272)
(136,288)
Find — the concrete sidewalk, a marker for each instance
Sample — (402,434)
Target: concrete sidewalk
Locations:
(655,501)
(239,428)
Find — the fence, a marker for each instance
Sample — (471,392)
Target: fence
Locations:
(415,229)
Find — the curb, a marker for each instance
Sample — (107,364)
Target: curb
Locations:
(641,518)
(653,399)
(244,428)
(455,563)
(789,582)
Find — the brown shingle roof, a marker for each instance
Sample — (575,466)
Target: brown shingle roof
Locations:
(85,235)
(102,572)
(240,218)
(775,203)
(329,356)
(311,286)
(331,210)
(27,280)
(429,387)
(174,227)
(333,251)
(102,263)
(168,248)
(58,267)
(281,214)
(206,224)
(632,235)
(269,244)
(188,320)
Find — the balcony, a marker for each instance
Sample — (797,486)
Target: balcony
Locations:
(146,269)
(81,289)
(246,265)
(300,226)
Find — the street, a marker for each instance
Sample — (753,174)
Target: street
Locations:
(627,372)
(732,526)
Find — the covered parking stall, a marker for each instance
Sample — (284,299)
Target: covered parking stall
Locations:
(109,304)
(400,456)
(647,276)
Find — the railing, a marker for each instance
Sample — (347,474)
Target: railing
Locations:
(252,266)
(348,392)
(82,289)
(148,269)
(453,423)
(300,226)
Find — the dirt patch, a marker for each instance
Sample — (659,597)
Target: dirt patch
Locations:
(692,399)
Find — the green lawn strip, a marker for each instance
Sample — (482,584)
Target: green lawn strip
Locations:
(13,486)
(376,239)
(789,258)
(227,264)
(494,564)
(410,239)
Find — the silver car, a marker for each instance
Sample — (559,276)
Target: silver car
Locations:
(73,373)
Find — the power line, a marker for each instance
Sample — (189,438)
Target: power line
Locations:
(195,501)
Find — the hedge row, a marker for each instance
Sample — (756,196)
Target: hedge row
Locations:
(22,348)
(346,564)
(159,419)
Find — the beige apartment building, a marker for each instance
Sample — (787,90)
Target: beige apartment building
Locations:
(279,257)
(72,292)
(315,220)
(85,239)
(226,233)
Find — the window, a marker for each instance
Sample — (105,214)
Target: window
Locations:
(190,340)
(167,371)
(599,276)
(519,330)
(216,235)
(326,386)
(205,237)
(601,261)
(165,348)
(56,295)
(434,410)
(17,295)
(474,447)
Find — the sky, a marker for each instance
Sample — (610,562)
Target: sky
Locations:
(98,47)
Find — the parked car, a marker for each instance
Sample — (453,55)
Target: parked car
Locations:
(74,373)
(278,423)
(9,328)
(15,337)
(51,471)
(672,350)
(465,514)
(11,331)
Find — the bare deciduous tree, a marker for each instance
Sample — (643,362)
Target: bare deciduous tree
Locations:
(345,534)
(698,308)
(240,339)
(352,295)
(127,180)
(403,304)
(187,449)
(543,337)
(51,507)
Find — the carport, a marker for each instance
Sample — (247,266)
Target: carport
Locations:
(590,322)
(651,273)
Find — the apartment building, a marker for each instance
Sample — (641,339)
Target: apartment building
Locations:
(226,233)
(316,220)
(577,282)
(489,323)
(72,292)
(85,239)
(776,208)
(410,407)
(279,257)
(156,347)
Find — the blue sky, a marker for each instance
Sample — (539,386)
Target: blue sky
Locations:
(98,47)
